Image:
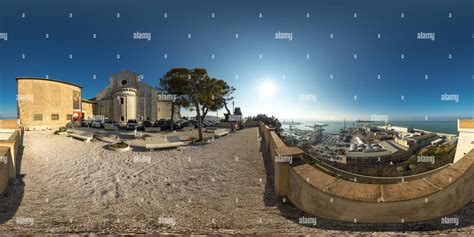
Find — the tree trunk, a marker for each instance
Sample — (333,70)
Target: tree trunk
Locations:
(204,113)
(228,111)
(198,112)
(172,116)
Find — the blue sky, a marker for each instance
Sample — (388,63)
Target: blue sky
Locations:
(284,70)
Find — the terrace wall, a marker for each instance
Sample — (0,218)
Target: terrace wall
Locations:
(317,193)
(5,160)
(13,143)
(10,124)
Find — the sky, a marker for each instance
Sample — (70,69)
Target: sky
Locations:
(339,59)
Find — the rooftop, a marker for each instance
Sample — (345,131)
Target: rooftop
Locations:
(464,123)
(47,79)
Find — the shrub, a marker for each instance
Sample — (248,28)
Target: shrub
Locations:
(270,121)
(412,166)
(400,169)
(121,144)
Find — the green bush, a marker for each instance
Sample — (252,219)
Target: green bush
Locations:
(270,121)
(412,166)
(120,144)
(400,169)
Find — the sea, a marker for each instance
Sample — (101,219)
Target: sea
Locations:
(449,127)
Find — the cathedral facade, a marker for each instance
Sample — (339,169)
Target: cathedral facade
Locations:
(126,97)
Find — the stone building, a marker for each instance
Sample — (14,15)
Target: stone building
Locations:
(126,97)
(46,103)
(88,107)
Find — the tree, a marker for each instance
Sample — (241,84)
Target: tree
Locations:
(228,91)
(195,88)
(196,91)
(215,94)
(270,121)
(175,82)
(237,111)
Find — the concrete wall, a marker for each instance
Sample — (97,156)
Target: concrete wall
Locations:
(45,97)
(323,195)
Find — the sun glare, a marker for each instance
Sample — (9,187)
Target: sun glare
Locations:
(267,88)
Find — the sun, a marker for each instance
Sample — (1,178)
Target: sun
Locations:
(267,88)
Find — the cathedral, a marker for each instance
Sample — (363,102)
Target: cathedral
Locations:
(126,97)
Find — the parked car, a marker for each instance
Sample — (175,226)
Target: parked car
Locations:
(106,121)
(147,124)
(208,123)
(97,124)
(132,124)
(86,123)
(187,124)
(165,124)
(156,123)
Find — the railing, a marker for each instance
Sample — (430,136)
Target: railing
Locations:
(366,178)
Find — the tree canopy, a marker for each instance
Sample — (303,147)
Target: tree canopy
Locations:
(195,89)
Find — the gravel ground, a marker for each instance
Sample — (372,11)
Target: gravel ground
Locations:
(224,187)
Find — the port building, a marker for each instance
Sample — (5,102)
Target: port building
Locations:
(381,153)
(400,129)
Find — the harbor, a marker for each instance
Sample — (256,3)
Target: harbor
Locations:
(363,142)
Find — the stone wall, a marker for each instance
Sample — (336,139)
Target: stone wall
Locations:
(10,124)
(4,159)
(88,109)
(320,194)
(44,97)
(163,110)
(13,143)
